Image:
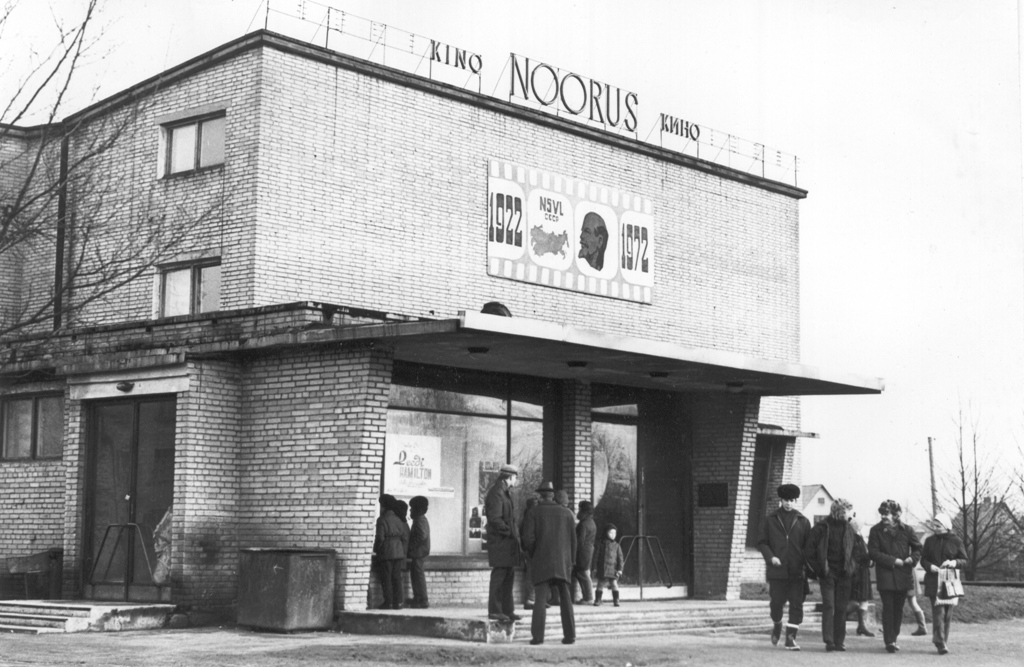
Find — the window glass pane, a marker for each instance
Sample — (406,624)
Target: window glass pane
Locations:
(51,426)
(449,401)
(614,470)
(211,151)
(469,448)
(177,296)
(18,429)
(209,288)
(528,456)
(183,148)
(621,410)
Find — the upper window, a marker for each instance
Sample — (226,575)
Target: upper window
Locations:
(32,427)
(194,145)
(189,289)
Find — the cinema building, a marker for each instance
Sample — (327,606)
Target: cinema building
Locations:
(395,285)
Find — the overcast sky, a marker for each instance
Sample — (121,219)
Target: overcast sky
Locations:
(905,117)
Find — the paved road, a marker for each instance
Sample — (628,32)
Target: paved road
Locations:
(1000,643)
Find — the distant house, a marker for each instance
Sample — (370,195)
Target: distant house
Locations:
(817,502)
(999,534)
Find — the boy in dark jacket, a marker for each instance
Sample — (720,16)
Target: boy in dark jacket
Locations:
(608,562)
(834,551)
(419,549)
(781,541)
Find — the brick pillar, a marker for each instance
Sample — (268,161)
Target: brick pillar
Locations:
(313,452)
(577,448)
(207,486)
(724,429)
(74,496)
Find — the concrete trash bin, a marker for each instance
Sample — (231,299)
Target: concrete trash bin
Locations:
(286,589)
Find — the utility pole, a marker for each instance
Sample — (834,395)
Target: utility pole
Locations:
(931,469)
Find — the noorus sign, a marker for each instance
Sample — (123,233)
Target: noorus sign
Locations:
(572,93)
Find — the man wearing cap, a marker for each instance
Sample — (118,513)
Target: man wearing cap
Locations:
(549,537)
(781,541)
(503,548)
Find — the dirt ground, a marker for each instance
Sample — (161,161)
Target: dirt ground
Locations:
(996,643)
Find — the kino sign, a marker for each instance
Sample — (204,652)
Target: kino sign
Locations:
(573,94)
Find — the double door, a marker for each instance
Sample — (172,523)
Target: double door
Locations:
(128,503)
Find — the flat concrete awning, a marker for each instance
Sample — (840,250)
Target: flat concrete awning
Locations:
(544,349)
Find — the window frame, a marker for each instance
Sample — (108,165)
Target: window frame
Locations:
(195,268)
(199,122)
(36,399)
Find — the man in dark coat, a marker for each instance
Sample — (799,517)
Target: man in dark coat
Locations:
(833,552)
(896,551)
(419,549)
(389,549)
(503,546)
(781,541)
(549,537)
(586,533)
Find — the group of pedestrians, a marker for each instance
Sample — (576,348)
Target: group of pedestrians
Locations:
(559,551)
(394,543)
(835,554)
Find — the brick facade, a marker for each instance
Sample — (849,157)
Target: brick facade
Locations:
(350,183)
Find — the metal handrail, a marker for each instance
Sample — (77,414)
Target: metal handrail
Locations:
(647,539)
(110,560)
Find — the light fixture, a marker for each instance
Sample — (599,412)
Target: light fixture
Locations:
(477,352)
(125,386)
(734,387)
(659,374)
(576,365)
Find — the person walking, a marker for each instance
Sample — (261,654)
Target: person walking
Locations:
(586,534)
(943,551)
(389,548)
(896,550)
(549,538)
(419,549)
(503,545)
(608,564)
(782,540)
(860,586)
(833,551)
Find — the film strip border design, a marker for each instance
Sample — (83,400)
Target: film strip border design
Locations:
(527,271)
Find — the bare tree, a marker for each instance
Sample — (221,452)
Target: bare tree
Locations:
(977,491)
(63,208)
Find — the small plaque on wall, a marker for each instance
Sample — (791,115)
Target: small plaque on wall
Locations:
(713,495)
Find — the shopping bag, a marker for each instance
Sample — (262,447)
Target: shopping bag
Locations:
(950,588)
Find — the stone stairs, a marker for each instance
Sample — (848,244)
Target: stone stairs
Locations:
(51,616)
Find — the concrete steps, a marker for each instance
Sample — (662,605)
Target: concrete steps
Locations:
(691,618)
(49,616)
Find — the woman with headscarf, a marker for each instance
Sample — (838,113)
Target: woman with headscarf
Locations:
(896,550)
(943,550)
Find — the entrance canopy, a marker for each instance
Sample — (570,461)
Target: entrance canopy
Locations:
(544,349)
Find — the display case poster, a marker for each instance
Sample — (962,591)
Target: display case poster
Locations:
(569,233)
(413,467)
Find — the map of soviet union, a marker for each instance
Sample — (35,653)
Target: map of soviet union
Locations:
(548,242)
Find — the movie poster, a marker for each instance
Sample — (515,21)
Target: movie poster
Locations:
(413,467)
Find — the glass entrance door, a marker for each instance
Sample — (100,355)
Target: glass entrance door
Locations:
(130,494)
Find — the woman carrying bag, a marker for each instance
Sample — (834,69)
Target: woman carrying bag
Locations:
(942,557)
